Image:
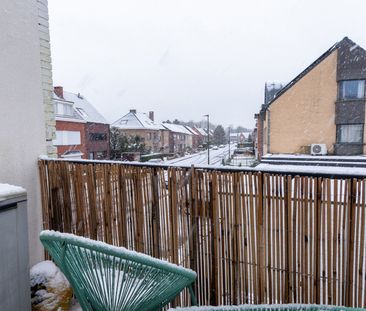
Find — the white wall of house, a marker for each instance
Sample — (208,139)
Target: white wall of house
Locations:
(22,108)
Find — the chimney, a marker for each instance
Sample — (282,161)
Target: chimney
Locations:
(59,90)
(133,110)
(151,115)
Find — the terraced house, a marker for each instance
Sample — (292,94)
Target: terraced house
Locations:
(323,106)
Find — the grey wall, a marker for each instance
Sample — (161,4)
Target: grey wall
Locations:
(22,119)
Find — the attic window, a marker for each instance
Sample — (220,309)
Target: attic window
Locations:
(123,122)
(82,112)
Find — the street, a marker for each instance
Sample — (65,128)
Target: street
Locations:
(200,158)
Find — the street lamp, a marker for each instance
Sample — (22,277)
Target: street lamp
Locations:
(208,137)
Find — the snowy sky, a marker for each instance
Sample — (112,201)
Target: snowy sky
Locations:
(187,58)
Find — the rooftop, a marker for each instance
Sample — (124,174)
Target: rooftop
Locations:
(136,120)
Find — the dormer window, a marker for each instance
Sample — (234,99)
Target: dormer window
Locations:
(352,89)
(63,109)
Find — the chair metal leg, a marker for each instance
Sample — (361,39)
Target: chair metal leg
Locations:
(193,297)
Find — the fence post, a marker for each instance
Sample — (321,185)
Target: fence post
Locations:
(350,242)
(155,213)
(261,242)
(193,224)
(288,209)
(214,228)
(317,236)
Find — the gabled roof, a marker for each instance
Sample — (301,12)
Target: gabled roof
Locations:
(201,131)
(192,130)
(211,131)
(135,121)
(309,68)
(83,111)
(177,128)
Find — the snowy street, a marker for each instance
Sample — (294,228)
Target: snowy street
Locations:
(200,158)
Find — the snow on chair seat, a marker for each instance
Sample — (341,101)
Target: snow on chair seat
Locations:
(273,307)
(106,277)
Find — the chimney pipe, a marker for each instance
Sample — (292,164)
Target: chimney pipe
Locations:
(151,115)
(59,91)
(133,110)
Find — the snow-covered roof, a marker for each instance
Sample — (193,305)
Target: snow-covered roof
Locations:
(136,120)
(192,130)
(86,110)
(83,111)
(201,131)
(177,128)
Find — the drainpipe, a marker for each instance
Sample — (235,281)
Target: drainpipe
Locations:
(268,131)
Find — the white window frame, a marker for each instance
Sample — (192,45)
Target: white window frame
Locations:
(67,138)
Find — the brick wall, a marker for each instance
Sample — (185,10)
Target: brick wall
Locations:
(72,126)
(99,145)
(155,146)
(260,135)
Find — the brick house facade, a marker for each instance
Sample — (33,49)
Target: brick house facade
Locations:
(324,104)
(81,131)
(154,136)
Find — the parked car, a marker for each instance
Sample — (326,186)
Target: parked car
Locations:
(215,148)
(222,146)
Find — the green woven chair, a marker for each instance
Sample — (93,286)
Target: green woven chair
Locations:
(274,307)
(106,277)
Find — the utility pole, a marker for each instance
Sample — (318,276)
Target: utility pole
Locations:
(208,138)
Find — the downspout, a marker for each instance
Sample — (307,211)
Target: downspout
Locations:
(268,130)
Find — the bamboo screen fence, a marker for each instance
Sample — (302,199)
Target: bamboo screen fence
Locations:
(252,237)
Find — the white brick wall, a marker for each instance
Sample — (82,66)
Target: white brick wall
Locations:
(46,72)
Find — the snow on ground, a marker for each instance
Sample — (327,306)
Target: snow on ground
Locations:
(200,158)
(75,307)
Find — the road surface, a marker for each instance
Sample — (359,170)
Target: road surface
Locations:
(200,158)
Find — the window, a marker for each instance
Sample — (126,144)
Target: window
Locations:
(352,89)
(66,138)
(82,112)
(350,133)
(63,109)
(97,136)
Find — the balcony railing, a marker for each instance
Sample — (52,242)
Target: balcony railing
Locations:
(252,237)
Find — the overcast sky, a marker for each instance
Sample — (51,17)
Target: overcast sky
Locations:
(187,58)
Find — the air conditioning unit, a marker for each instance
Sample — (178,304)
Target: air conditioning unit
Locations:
(318,149)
